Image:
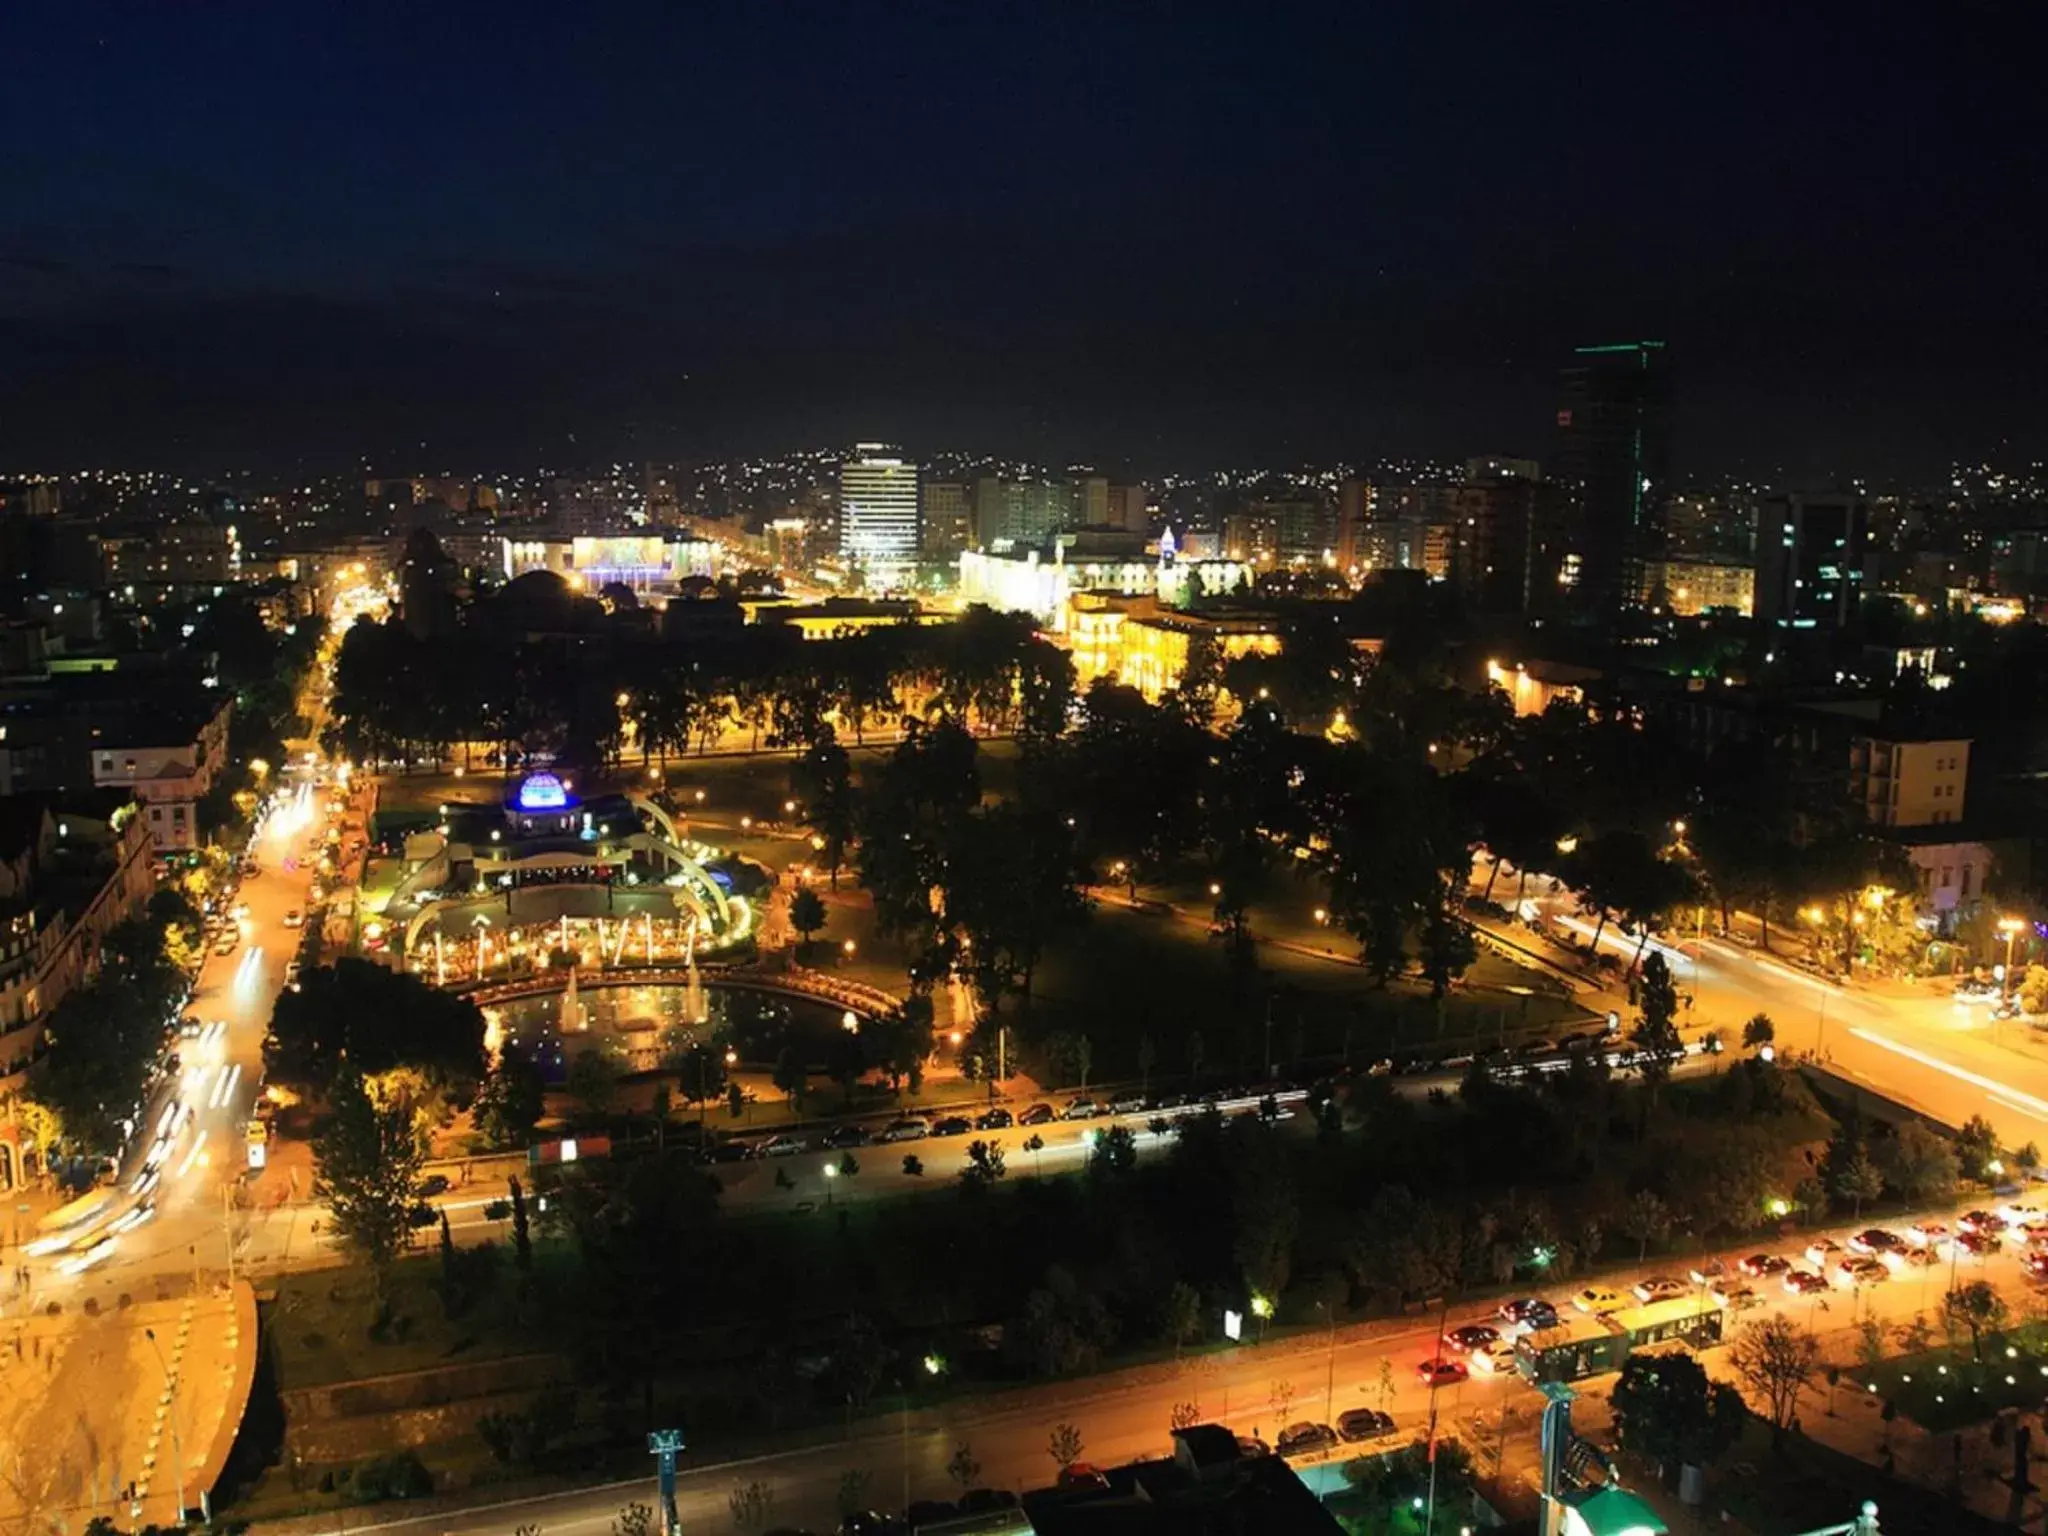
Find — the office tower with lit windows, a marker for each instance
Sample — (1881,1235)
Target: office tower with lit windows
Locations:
(1810,556)
(878,507)
(1614,463)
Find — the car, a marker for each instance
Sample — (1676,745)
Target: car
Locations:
(780,1145)
(1364,1424)
(952,1125)
(1529,1313)
(1305,1439)
(1495,1359)
(1761,1266)
(868,1523)
(227,943)
(189,1028)
(1823,1252)
(1733,1295)
(849,1136)
(1472,1336)
(1600,1300)
(1439,1372)
(434,1184)
(1037,1114)
(1979,1244)
(2036,1266)
(1873,1242)
(294,918)
(1804,1282)
(1707,1272)
(2018,1213)
(1988,1222)
(909,1128)
(1127,1104)
(1083,1108)
(1927,1234)
(1854,1271)
(1660,1288)
(1915,1258)
(1251,1447)
(997,1119)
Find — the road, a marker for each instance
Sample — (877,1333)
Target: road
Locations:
(1910,1041)
(1124,1415)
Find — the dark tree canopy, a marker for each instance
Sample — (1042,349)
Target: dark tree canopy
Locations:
(379,1019)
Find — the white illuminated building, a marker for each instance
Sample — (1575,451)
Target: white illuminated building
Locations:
(1029,581)
(878,512)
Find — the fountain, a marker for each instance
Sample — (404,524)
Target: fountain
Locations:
(695,1009)
(574,1018)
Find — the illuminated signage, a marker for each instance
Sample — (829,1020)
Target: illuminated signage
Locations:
(542,792)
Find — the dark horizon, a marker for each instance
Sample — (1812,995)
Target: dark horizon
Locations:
(1149,239)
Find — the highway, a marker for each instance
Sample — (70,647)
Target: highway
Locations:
(1910,1041)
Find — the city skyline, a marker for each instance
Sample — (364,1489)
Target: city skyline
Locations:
(1077,237)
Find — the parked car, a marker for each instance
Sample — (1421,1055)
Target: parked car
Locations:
(1979,1244)
(779,1145)
(1982,1221)
(909,1128)
(1082,1477)
(1037,1114)
(1660,1288)
(849,1136)
(1127,1104)
(1733,1295)
(1472,1336)
(2036,1266)
(952,1125)
(1823,1252)
(1601,1299)
(294,918)
(1804,1282)
(1364,1424)
(1305,1439)
(1874,1241)
(1761,1266)
(1853,1272)
(227,943)
(1439,1372)
(433,1184)
(1083,1108)
(998,1119)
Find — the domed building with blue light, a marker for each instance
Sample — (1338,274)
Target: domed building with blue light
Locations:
(546,877)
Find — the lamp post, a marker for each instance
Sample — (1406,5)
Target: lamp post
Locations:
(2012,928)
(177,1440)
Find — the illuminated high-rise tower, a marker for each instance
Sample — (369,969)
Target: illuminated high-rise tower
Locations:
(878,510)
(1614,460)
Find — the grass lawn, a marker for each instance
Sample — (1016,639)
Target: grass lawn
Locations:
(1944,1389)
(320,1325)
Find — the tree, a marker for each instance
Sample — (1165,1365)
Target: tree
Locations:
(1921,1163)
(1656,1038)
(1977,1148)
(1180,1315)
(367,1169)
(592,1081)
(1859,1180)
(522,1234)
(790,1076)
(1667,1410)
(1977,1307)
(962,1467)
(380,1020)
(751,1503)
(1064,1445)
(1114,1154)
(635,1519)
(1646,1219)
(511,1099)
(1775,1358)
(1758,1032)
(806,914)
(984,1167)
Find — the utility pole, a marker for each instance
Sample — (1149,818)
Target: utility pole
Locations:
(177,1440)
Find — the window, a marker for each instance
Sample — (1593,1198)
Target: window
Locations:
(156,813)
(178,813)
(106,762)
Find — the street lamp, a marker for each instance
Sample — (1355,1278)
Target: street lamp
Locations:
(2012,928)
(177,1440)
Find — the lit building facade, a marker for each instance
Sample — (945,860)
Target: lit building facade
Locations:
(1689,588)
(645,562)
(878,507)
(1909,783)
(1028,581)
(1810,557)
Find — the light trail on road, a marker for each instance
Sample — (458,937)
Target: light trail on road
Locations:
(2011,1098)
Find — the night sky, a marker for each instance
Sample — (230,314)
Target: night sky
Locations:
(1146,236)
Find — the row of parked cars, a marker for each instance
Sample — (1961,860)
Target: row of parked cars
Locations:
(996,1118)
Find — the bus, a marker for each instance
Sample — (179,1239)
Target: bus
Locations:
(60,1228)
(1594,1346)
